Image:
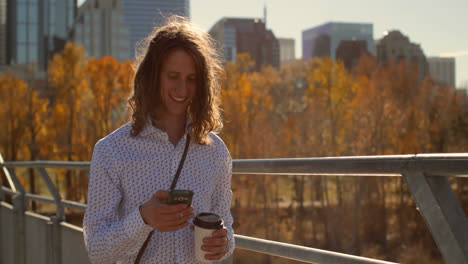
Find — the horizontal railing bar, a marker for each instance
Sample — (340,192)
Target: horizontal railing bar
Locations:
(300,253)
(73,205)
(389,165)
(9,191)
(323,174)
(67,165)
(442,165)
(40,198)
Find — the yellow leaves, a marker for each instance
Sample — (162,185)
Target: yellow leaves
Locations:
(247,105)
(375,110)
(109,83)
(65,71)
(303,109)
(87,98)
(21,116)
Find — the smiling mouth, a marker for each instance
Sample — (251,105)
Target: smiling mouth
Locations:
(178,99)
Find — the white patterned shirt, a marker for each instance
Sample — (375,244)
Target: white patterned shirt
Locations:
(126,171)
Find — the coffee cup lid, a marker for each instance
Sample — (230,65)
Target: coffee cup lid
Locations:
(208,221)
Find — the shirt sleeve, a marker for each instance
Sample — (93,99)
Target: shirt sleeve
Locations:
(108,237)
(222,196)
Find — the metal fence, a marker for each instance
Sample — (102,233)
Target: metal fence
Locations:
(30,238)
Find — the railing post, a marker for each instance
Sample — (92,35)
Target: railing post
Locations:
(54,238)
(443,214)
(20,245)
(60,212)
(19,206)
(54,233)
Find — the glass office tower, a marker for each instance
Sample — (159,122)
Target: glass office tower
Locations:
(142,15)
(37,29)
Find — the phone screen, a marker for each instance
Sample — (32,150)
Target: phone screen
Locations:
(180,196)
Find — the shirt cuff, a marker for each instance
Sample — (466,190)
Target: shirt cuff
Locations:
(135,227)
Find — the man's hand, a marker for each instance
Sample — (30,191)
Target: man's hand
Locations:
(217,244)
(163,217)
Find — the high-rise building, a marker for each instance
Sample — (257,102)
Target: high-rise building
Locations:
(35,30)
(349,52)
(101,29)
(324,40)
(246,35)
(442,69)
(395,47)
(287,50)
(142,15)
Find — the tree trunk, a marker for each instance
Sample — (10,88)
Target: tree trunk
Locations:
(313,216)
(332,243)
(68,180)
(277,220)
(357,217)
(401,208)
(339,191)
(299,187)
(383,196)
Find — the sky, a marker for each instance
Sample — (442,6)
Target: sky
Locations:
(440,27)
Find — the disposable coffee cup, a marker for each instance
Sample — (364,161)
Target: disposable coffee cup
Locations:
(205,224)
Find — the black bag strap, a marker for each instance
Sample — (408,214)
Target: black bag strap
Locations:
(174,182)
(181,163)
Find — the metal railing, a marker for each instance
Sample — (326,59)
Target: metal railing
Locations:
(425,176)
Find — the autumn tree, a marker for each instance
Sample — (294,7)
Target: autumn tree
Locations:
(22,118)
(109,87)
(36,109)
(13,117)
(68,84)
(329,95)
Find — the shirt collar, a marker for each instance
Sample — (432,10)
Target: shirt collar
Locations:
(150,129)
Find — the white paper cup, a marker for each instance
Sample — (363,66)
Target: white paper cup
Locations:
(205,224)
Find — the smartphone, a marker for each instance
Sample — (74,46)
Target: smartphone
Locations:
(180,196)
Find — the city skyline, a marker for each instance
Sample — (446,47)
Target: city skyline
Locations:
(438,26)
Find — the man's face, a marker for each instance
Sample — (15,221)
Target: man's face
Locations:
(177,82)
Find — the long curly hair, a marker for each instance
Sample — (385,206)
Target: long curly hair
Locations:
(204,111)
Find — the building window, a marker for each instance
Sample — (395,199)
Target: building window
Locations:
(21,13)
(33,53)
(32,30)
(228,53)
(21,33)
(21,53)
(32,13)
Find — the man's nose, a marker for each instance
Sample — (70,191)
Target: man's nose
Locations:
(181,88)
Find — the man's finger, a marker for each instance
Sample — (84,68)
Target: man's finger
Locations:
(171,209)
(161,195)
(178,210)
(214,249)
(220,232)
(217,241)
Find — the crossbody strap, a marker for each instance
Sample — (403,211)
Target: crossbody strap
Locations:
(174,182)
(181,163)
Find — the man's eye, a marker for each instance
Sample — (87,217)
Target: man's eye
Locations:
(173,76)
